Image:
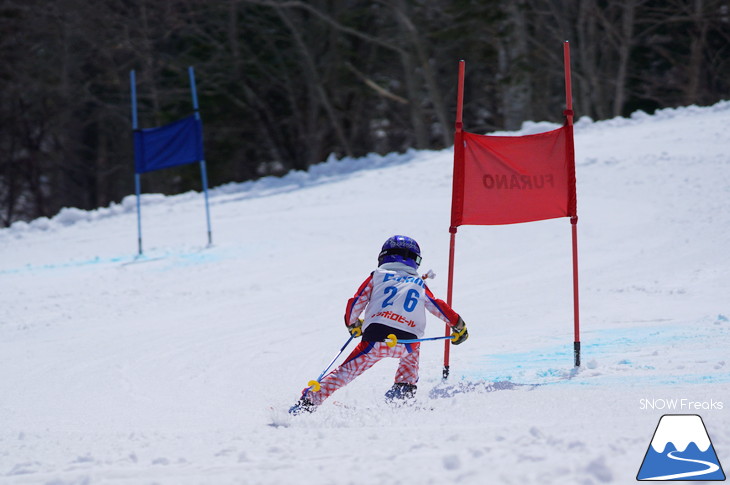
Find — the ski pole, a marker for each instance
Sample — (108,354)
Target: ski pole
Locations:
(314,385)
(391,340)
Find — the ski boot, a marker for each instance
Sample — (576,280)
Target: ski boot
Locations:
(400,393)
(304,405)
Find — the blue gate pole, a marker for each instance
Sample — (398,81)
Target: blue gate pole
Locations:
(203,170)
(137,181)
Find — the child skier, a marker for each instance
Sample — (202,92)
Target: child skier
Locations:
(394,300)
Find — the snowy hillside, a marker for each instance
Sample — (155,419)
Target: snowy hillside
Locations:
(165,369)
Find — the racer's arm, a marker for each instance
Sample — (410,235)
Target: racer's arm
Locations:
(443,311)
(440,309)
(356,305)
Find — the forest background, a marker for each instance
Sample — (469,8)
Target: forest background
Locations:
(286,84)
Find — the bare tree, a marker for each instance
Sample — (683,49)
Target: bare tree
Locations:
(514,73)
(285,83)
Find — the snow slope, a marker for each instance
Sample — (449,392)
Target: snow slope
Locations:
(165,369)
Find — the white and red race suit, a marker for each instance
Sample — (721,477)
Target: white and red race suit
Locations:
(394,295)
(394,299)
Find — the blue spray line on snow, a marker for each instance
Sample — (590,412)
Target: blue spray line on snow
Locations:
(69,264)
(609,354)
(173,260)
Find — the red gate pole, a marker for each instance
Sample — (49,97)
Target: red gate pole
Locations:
(449,294)
(458,158)
(572,206)
(576,311)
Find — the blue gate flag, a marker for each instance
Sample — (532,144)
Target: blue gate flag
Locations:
(177,143)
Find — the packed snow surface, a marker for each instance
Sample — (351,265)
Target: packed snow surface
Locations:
(177,367)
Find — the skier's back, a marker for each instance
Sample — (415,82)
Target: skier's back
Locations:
(393,299)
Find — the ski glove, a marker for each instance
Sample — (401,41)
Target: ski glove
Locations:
(356,329)
(458,332)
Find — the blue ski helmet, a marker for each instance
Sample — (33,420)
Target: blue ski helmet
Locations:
(400,249)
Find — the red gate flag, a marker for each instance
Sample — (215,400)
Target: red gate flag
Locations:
(512,179)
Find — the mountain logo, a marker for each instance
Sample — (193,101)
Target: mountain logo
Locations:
(681,450)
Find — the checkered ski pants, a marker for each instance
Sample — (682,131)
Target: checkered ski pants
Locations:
(364,357)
